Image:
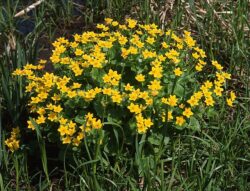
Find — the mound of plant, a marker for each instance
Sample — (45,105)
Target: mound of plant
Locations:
(132,76)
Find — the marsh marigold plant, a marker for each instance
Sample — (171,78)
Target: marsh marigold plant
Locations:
(133,75)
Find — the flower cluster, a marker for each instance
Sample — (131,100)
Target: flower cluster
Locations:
(151,76)
(231,99)
(13,142)
(67,129)
(112,78)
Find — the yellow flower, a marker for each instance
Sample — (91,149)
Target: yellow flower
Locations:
(141,128)
(208,84)
(115,23)
(13,143)
(80,136)
(107,91)
(116,97)
(233,96)
(74,44)
(201,52)
(108,20)
(171,54)
(52,116)
(164,100)
(229,102)
(72,94)
(180,121)
(187,112)
(155,85)
(172,100)
(226,75)
(76,142)
(177,72)
(209,101)
(128,87)
(150,40)
(56,97)
(148,123)
(91,122)
(18,72)
(50,106)
(41,119)
(76,69)
(170,116)
(139,32)
(90,94)
(77,37)
(131,23)
(55,58)
(43,95)
(30,125)
(140,78)
(133,108)
(220,77)
(122,40)
(63,121)
(156,72)
(231,99)
(181,106)
(133,50)
(63,130)
(201,62)
(78,52)
(112,78)
(66,140)
(143,124)
(193,101)
(96,124)
(123,27)
(76,85)
(57,109)
(207,93)
(41,111)
(189,40)
(164,45)
(199,67)
(125,52)
(196,55)
(148,54)
(218,91)
(157,62)
(217,65)
(103,27)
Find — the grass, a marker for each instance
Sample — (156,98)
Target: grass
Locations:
(216,158)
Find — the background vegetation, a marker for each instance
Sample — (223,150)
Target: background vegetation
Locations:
(215,158)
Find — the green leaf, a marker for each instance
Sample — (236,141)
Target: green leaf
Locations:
(99,109)
(79,120)
(97,74)
(211,113)
(37,128)
(115,115)
(179,90)
(112,123)
(155,140)
(132,124)
(158,139)
(194,124)
(52,137)
(166,140)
